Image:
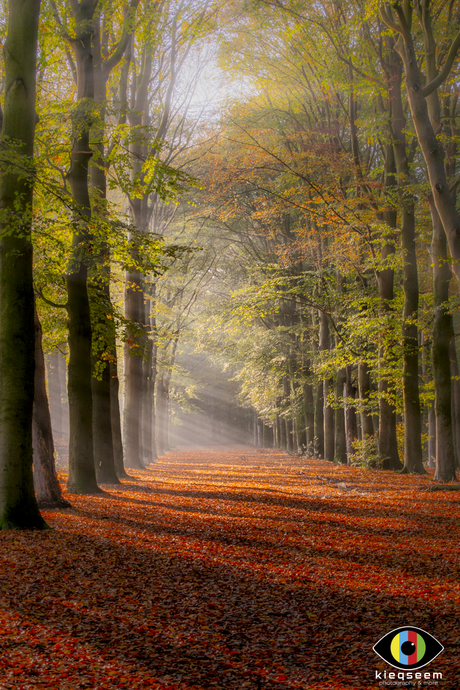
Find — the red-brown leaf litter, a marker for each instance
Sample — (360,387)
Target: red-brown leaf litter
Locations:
(233,568)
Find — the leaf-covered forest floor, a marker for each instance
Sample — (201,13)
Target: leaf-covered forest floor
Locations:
(233,569)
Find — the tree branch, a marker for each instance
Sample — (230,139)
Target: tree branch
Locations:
(444,73)
(127,32)
(39,292)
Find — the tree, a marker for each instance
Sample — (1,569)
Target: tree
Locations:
(46,483)
(18,506)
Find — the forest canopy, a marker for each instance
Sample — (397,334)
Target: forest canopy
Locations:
(224,222)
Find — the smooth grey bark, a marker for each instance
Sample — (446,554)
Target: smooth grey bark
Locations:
(53,371)
(309,407)
(387,440)
(431,436)
(18,505)
(413,458)
(47,489)
(281,435)
(160,413)
(351,426)
(367,425)
(340,444)
(319,420)
(134,281)
(290,435)
(328,414)
(455,394)
(286,421)
(147,430)
(429,144)
(166,382)
(106,427)
(63,442)
(56,370)
(82,474)
(442,336)
(116,418)
(153,374)
(442,325)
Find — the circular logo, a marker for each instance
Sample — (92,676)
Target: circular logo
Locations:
(408,648)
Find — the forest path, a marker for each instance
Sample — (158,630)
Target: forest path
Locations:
(231,568)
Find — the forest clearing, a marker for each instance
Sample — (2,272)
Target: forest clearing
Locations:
(231,568)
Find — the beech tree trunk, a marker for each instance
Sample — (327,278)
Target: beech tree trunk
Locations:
(328,414)
(388,444)
(106,426)
(387,440)
(47,489)
(431,436)
(455,384)
(442,336)
(82,475)
(429,144)
(319,420)
(116,419)
(367,425)
(351,425)
(413,459)
(340,445)
(147,390)
(54,393)
(133,371)
(18,505)
(153,373)
(160,414)
(309,406)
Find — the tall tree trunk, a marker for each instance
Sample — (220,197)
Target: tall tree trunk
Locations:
(340,445)
(289,435)
(328,418)
(106,426)
(134,280)
(82,475)
(329,431)
(160,414)
(133,372)
(282,441)
(153,373)
(102,427)
(351,426)
(116,418)
(47,489)
(167,375)
(367,425)
(431,436)
(413,458)
(147,391)
(18,505)
(309,406)
(63,445)
(431,147)
(387,440)
(442,335)
(455,383)
(54,393)
(286,420)
(319,420)
(103,345)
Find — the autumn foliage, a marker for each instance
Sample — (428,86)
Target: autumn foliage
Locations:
(231,569)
